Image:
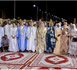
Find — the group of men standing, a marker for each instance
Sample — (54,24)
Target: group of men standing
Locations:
(39,37)
(21,38)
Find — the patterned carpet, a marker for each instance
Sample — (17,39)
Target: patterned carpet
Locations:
(10,60)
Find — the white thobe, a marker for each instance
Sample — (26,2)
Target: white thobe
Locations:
(1,34)
(31,34)
(7,30)
(13,46)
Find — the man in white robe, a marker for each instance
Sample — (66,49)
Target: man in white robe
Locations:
(31,36)
(13,45)
(7,29)
(1,34)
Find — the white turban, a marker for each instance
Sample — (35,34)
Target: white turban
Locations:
(34,23)
(24,22)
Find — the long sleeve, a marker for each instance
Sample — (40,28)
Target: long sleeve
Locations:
(55,33)
(17,32)
(37,32)
(76,33)
(28,32)
(45,31)
(26,28)
(35,29)
(2,31)
(10,31)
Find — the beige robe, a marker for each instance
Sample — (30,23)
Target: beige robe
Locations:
(64,42)
(58,43)
(41,43)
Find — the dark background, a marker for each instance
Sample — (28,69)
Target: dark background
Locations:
(25,9)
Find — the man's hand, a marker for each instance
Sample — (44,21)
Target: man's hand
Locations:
(13,37)
(26,38)
(18,38)
(2,37)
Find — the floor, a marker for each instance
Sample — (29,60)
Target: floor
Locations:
(26,60)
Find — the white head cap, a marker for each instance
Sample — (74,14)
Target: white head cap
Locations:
(34,23)
(24,22)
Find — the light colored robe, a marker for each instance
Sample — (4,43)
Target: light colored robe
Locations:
(31,35)
(17,36)
(13,46)
(73,45)
(7,30)
(64,42)
(22,38)
(1,34)
(41,43)
(57,49)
